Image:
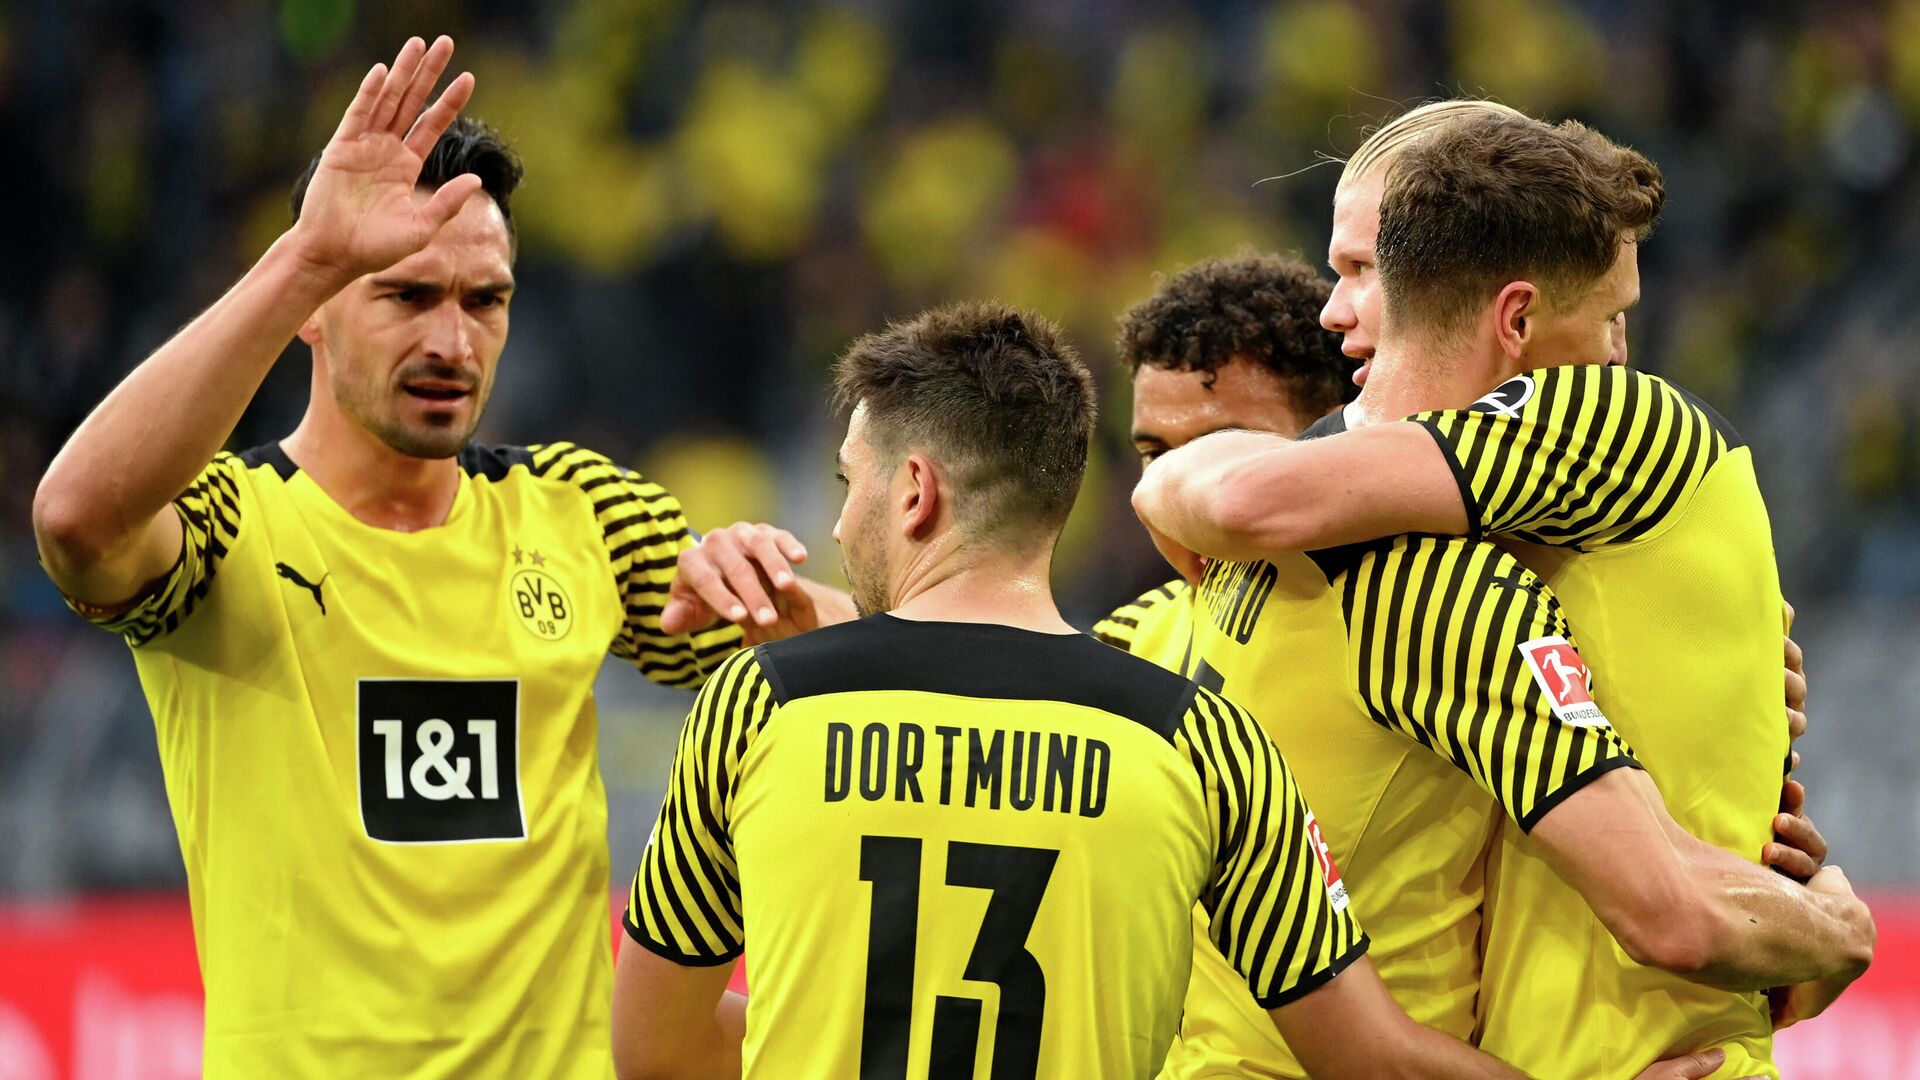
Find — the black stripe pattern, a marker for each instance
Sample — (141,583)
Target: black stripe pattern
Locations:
(1119,627)
(645,532)
(210,525)
(1272,913)
(685,901)
(1437,626)
(1592,455)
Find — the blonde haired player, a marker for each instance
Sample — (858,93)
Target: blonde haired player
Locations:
(1659,489)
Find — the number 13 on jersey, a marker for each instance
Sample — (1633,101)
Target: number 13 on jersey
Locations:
(1016,880)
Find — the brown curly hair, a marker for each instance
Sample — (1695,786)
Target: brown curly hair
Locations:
(1265,308)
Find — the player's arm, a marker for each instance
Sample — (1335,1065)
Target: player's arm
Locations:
(1678,903)
(743,574)
(672,1021)
(1352,1027)
(101,515)
(671,1015)
(1250,495)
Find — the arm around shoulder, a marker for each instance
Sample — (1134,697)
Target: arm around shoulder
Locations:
(1242,495)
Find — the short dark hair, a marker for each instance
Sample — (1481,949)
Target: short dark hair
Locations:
(467,146)
(1261,308)
(996,395)
(1488,199)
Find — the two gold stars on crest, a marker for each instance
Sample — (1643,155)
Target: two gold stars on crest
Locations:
(537,558)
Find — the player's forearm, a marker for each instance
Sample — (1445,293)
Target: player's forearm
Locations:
(154,433)
(1230,495)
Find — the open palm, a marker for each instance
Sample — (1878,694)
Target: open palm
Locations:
(360,213)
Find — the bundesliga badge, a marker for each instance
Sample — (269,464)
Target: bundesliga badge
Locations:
(1336,889)
(1564,677)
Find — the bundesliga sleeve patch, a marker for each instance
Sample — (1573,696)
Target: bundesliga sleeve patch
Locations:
(1564,678)
(1336,889)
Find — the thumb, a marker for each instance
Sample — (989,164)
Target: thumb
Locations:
(449,199)
(682,616)
(1702,1064)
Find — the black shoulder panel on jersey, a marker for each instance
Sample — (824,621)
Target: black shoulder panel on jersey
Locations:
(270,454)
(979,660)
(1333,423)
(1727,430)
(494,462)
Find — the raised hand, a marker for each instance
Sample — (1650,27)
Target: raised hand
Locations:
(360,213)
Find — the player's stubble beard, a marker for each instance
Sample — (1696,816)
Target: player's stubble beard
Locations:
(863,560)
(376,407)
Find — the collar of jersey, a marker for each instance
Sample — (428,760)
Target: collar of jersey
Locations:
(307,489)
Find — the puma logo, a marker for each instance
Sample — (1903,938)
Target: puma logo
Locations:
(313,587)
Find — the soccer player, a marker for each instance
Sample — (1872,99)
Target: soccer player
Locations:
(1224,344)
(1504,242)
(957,834)
(370,648)
(1404,824)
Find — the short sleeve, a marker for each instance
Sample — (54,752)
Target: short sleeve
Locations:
(1278,909)
(1121,626)
(645,532)
(1465,651)
(209,513)
(1578,456)
(685,901)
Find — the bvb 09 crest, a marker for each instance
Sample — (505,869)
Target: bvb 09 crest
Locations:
(542,605)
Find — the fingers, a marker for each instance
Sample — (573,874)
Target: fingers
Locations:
(685,614)
(764,549)
(1788,862)
(1796,689)
(1793,796)
(1786,616)
(439,116)
(1796,725)
(414,94)
(1694,1066)
(1800,833)
(1796,659)
(354,120)
(405,65)
(447,201)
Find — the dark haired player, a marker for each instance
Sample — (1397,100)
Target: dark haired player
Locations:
(370,648)
(959,836)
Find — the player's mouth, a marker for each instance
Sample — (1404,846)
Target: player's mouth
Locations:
(437,393)
(1365,356)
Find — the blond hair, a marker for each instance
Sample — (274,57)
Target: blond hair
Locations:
(1396,134)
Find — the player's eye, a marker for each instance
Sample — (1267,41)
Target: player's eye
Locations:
(409,296)
(1149,453)
(484,300)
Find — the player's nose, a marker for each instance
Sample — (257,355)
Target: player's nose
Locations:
(447,339)
(1337,315)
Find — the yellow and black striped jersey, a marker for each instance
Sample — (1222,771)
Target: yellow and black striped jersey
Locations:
(987,842)
(381,755)
(1157,626)
(1402,679)
(1639,506)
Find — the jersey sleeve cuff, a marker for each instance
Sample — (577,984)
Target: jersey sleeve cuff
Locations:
(1467,499)
(668,952)
(1309,983)
(1593,772)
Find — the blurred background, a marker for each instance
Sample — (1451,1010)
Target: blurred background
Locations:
(720,195)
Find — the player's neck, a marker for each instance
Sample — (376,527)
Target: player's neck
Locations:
(1414,377)
(369,479)
(1006,591)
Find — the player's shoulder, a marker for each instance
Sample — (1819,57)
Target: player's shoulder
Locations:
(976,660)
(1574,390)
(551,462)
(1120,624)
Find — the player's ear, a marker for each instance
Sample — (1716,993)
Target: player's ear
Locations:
(919,496)
(1515,311)
(309,331)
